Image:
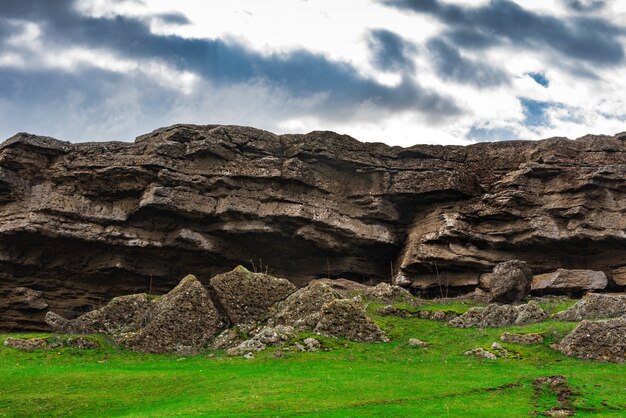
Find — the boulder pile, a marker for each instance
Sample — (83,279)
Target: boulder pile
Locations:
(239,311)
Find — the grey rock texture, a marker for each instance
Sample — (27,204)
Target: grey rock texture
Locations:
(495,315)
(528,339)
(183,320)
(598,340)
(83,223)
(346,318)
(122,314)
(570,280)
(25,344)
(247,297)
(510,282)
(595,306)
(303,308)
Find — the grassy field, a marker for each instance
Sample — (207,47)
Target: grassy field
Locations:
(359,380)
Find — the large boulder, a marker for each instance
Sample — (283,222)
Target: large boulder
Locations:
(122,314)
(510,282)
(595,306)
(346,318)
(494,316)
(247,297)
(302,309)
(599,340)
(564,280)
(182,321)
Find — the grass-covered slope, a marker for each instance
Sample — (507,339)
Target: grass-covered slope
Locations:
(391,379)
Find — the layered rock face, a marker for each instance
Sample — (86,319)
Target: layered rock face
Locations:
(82,223)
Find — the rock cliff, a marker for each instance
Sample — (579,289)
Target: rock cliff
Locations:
(81,223)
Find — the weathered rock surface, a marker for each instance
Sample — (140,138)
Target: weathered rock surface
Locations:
(122,314)
(570,280)
(494,316)
(83,223)
(414,342)
(595,306)
(346,318)
(619,276)
(82,343)
(266,336)
(510,282)
(229,338)
(481,352)
(599,340)
(183,320)
(25,344)
(346,288)
(529,339)
(303,308)
(386,293)
(247,297)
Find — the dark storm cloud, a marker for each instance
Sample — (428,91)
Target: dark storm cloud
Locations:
(585,5)
(450,64)
(390,52)
(583,38)
(299,73)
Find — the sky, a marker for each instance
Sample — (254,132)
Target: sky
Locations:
(400,72)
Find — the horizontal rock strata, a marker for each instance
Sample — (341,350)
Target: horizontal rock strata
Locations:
(82,223)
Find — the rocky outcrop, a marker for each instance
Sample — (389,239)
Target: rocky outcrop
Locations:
(494,316)
(564,280)
(25,344)
(595,306)
(122,314)
(346,318)
(83,223)
(599,340)
(510,282)
(303,308)
(183,320)
(527,339)
(247,297)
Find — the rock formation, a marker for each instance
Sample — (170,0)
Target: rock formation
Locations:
(510,282)
(569,280)
(82,223)
(494,316)
(599,340)
(595,306)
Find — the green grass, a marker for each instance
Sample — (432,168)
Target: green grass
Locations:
(391,379)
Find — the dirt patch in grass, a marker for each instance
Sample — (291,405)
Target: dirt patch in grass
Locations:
(557,386)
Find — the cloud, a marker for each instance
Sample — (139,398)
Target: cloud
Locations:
(594,40)
(485,134)
(452,65)
(298,72)
(390,52)
(585,5)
